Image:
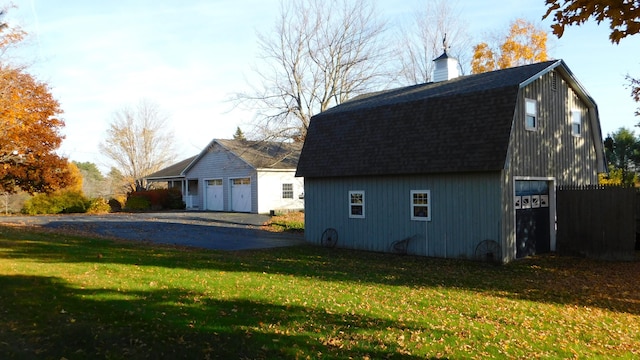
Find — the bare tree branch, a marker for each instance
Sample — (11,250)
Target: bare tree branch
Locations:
(422,41)
(138,142)
(320,54)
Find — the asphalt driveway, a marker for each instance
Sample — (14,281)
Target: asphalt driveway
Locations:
(211,230)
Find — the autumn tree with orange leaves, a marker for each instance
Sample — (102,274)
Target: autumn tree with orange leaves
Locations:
(524,44)
(29,129)
(623,15)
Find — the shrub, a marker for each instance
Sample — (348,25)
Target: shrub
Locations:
(99,206)
(160,199)
(116,204)
(57,203)
(137,203)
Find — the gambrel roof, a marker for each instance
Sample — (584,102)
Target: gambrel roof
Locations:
(460,125)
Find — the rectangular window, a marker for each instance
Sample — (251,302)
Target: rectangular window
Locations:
(576,123)
(356,204)
(214,182)
(531,114)
(287,191)
(421,205)
(243,181)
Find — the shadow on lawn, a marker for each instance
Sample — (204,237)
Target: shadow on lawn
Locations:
(562,280)
(43,317)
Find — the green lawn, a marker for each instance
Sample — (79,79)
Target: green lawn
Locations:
(70,297)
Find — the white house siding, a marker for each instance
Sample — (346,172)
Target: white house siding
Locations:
(218,163)
(270,190)
(465,209)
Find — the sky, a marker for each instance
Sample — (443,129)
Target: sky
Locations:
(190,56)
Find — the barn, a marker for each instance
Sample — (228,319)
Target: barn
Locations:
(461,167)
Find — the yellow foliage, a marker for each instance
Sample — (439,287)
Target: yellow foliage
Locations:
(524,44)
(75,178)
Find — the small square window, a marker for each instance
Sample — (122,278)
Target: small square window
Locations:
(356,204)
(287,191)
(421,205)
(576,123)
(531,114)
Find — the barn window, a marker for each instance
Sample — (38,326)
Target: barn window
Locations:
(531,114)
(421,205)
(576,123)
(356,204)
(287,191)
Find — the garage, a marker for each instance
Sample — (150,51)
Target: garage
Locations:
(214,195)
(241,195)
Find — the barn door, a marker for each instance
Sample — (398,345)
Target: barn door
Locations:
(533,232)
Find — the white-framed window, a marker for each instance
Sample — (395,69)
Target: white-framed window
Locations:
(576,123)
(421,205)
(287,191)
(356,204)
(214,182)
(531,114)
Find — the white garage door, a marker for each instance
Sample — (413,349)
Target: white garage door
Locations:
(241,195)
(215,195)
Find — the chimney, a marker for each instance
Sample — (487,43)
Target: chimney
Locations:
(446,66)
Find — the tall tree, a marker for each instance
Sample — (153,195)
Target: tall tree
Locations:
(634,85)
(138,142)
(525,43)
(623,15)
(9,35)
(94,184)
(29,135)
(422,41)
(239,135)
(319,54)
(622,149)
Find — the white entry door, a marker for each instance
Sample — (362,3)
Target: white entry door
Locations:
(215,195)
(241,195)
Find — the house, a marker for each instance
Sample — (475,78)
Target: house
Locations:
(238,176)
(462,167)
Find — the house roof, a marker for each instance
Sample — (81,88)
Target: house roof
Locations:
(173,171)
(257,154)
(460,125)
(264,154)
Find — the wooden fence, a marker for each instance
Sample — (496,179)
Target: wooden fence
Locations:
(597,222)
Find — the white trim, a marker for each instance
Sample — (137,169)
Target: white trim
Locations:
(428,205)
(357,216)
(536,118)
(552,208)
(579,122)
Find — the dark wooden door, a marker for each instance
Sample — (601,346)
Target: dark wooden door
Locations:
(533,232)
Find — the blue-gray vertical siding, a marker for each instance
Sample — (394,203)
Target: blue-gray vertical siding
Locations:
(465,209)
(219,163)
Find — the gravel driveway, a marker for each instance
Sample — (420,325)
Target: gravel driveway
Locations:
(220,231)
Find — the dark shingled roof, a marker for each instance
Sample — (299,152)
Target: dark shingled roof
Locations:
(460,125)
(172,171)
(264,154)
